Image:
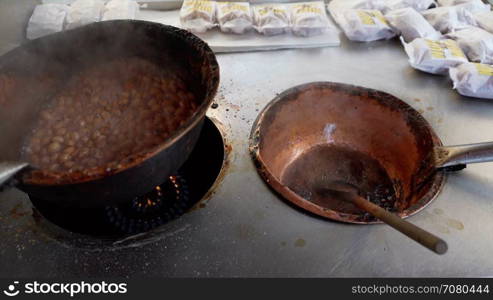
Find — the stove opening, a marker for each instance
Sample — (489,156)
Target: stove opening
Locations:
(163,204)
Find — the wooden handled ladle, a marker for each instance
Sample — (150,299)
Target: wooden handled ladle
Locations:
(350,193)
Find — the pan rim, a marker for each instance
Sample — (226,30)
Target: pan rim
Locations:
(197,44)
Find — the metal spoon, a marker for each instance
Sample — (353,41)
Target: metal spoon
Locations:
(420,235)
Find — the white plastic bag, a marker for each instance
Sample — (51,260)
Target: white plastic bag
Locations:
(198,15)
(365,25)
(271,19)
(84,12)
(451,2)
(120,9)
(473,80)
(476,43)
(466,11)
(308,18)
(471,7)
(46,19)
(434,56)
(484,20)
(338,8)
(411,24)
(444,19)
(234,17)
(388,5)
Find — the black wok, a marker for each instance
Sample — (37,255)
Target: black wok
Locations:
(42,66)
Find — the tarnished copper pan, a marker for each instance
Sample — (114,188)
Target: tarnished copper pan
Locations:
(318,132)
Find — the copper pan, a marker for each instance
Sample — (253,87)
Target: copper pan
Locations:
(318,132)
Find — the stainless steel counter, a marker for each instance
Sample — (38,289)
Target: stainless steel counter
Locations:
(246,230)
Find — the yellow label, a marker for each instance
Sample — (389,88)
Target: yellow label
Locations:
(200,5)
(439,49)
(368,17)
(232,6)
(484,69)
(307,8)
(265,10)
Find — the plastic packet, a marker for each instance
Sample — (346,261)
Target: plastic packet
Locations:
(120,9)
(451,2)
(476,43)
(83,12)
(365,25)
(473,80)
(434,56)
(411,24)
(308,18)
(445,18)
(388,5)
(337,8)
(234,17)
(271,19)
(198,15)
(484,20)
(471,7)
(46,19)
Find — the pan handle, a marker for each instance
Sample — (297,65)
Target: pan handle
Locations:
(8,169)
(463,154)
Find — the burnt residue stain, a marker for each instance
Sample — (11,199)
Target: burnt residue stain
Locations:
(311,173)
(300,243)
(18,211)
(429,108)
(417,99)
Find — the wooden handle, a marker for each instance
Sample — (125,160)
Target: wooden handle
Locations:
(421,236)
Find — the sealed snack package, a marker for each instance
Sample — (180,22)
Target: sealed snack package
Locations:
(271,19)
(476,43)
(120,10)
(82,12)
(466,11)
(46,19)
(444,19)
(473,80)
(434,56)
(388,5)
(411,24)
(198,15)
(365,25)
(234,17)
(451,2)
(484,20)
(308,18)
(338,8)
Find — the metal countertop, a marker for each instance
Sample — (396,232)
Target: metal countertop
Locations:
(246,230)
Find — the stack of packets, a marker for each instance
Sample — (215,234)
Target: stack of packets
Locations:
(454,38)
(48,18)
(302,19)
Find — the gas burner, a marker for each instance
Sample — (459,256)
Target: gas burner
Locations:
(163,204)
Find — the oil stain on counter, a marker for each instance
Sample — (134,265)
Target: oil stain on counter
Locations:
(442,223)
(300,243)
